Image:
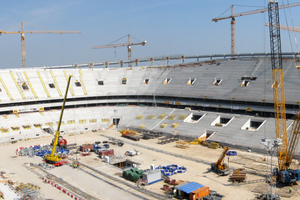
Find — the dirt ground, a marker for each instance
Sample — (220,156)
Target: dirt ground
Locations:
(197,171)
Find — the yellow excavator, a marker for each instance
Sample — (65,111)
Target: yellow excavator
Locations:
(220,167)
(53,158)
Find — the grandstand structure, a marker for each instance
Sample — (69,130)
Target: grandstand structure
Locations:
(221,99)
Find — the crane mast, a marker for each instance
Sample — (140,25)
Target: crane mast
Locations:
(278,82)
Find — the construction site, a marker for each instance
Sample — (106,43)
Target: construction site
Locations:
(211,127)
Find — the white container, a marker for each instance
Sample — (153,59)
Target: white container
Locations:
(106,159)
(152,176)
(152,167)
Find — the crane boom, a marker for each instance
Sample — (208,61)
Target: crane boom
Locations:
(52,157)
(22,32)
(293,139)
(233,16)
(255,11)
(222,156)
(129,44)
(288,28)
(119,45)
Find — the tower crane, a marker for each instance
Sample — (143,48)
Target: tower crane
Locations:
(233,16)
(22,32)
(129,44)
(286,151)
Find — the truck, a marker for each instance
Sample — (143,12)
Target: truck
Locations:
(116,142)
(132,153)
(133,135)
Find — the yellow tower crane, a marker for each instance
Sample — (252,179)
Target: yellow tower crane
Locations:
(233,16)
(22,32)
(129,44)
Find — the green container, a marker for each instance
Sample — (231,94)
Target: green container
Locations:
(134,169)
(140,172)
(130,176)
(136,177)
(125,174)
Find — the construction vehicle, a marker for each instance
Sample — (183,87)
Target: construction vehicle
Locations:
(53,158)
(116,141)
(287,148)
(133,135)
(220,167)
(132,153)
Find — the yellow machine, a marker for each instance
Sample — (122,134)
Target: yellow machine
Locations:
(53,158)
(286,150)
(220,167)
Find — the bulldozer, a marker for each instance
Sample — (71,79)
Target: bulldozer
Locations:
(220,167)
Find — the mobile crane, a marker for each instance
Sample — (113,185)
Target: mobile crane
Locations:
(286,151)
(53,158)
(220,167)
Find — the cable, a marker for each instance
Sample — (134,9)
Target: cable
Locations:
(136,39)
(251,6)
(117,40)
(224,12)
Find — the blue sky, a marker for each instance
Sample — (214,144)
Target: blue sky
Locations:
(171,27)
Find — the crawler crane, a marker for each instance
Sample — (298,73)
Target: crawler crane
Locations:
(53,157)
(286,151)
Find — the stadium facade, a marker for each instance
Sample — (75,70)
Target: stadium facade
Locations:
(225,100)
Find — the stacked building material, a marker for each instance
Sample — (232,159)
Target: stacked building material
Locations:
(42,151)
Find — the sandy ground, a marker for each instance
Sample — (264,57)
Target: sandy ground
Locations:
(197,172)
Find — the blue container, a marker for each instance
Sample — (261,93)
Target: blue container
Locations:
(36,147)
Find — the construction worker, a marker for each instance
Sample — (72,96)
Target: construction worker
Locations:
(290,189)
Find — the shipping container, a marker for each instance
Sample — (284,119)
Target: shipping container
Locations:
(86,147)
(109,152)
(152,176)
(199,193)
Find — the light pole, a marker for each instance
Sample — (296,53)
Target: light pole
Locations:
(271,150)
(116,144)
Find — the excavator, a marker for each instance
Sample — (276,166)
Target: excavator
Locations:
(220,167)
(53,158)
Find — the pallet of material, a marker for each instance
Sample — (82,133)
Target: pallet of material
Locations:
(214,145)
(238,175)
